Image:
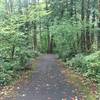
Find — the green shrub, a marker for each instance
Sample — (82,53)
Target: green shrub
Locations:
(8,66)
(5,78)
(78,63)
(9,69)
(88,65)
(66,54)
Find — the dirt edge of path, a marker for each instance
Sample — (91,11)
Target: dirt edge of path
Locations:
(80,82)
(24,77)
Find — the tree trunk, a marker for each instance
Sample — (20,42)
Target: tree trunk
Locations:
(47,25)
(8,6)
(51,44)
(71,8)
(83,30)
(93,22)
(20,7)
(12,52)
(35,35)
(88,36)
(98,35)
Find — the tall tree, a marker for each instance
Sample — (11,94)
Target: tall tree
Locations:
(98,35)
(83,30)
(71,8)
(20,6)
(93,21)
(88,36)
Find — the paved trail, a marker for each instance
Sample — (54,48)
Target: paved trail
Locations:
(47,83)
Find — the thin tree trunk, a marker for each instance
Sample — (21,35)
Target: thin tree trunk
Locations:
(98,35)
(12,52)
(48,33)
(83,30)
(88,36)
(93,22)
(35,35)
(20,7)
(71,8)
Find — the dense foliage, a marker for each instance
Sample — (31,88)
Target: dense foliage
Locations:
(69,28)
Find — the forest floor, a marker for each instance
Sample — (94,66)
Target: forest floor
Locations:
(49,81)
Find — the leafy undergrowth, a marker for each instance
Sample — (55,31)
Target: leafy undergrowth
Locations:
(11,69)
(84,85)
(22,77)
(88,65)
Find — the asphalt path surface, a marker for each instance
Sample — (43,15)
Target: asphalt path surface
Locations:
(46,83)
